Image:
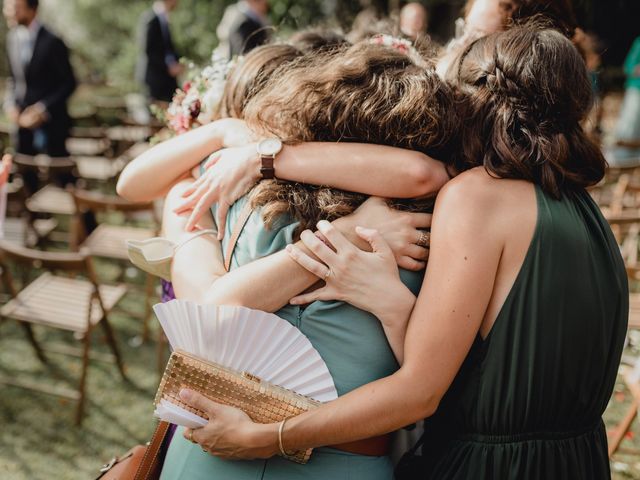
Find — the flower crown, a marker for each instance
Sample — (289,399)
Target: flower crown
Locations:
(199,98)
(399,44)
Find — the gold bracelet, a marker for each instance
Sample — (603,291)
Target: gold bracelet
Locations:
(280,430)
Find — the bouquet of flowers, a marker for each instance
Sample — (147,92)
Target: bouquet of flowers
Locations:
(197,102)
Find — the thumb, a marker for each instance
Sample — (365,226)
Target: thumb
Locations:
(373,238)
(198,401)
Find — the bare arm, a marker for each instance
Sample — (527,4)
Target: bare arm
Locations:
(198,272)
(466,251)
(371,169)
(465,254)
(153,173)
(359,167)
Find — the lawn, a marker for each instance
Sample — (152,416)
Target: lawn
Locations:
(38,438)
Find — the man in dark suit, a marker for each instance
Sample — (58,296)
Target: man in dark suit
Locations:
(41,82)
(250,28)
(158,65)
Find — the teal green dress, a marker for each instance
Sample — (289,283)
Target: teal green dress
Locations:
(351,342)
(529,399)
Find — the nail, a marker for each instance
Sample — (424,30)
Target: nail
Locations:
(323,225)
(185,394)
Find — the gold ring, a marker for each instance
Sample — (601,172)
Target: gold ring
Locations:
(191,436)
(326,275)
(424,240)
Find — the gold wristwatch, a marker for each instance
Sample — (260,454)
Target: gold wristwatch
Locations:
(268,149)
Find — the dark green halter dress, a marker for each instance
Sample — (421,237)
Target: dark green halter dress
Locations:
(528,401)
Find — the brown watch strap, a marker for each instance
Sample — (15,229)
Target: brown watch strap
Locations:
(267,169)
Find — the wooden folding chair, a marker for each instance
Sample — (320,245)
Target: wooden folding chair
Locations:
(109,241)
(56,301)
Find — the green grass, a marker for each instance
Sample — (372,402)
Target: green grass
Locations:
(38,437)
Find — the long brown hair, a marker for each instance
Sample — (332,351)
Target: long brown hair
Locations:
(362,93)
(527,91)
(251,73)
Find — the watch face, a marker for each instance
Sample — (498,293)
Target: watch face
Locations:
(270,146)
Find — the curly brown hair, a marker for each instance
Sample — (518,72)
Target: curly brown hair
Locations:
(248,77)
(362,93)
(527,91)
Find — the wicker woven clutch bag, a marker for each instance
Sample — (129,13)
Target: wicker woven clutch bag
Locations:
(262,401)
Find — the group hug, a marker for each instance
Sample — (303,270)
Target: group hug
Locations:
(421,215)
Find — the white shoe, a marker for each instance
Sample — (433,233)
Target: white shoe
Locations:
(155,255)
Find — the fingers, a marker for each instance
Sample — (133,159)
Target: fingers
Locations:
(420,220)
(201,208)
(193,187)
(212,160)
(374,239)
(318,248)
(198,401)
(305,261)
(315,296)
(416,252)
(221,218)
(409,263)
(335,238)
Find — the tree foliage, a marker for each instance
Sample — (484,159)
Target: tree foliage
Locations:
(103,34)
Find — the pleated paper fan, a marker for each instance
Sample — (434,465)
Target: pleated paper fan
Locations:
(247,340)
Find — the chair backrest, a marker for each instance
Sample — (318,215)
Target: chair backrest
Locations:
(89,201)
(86,200)
(77,262)
(70,261)
(43,162)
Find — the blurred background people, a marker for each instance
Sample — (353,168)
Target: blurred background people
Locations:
(250,27)
(41,82)
(414,20)
(158,64)
(628,126)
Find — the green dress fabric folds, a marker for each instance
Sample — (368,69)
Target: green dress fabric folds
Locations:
(350,341)
(528,401)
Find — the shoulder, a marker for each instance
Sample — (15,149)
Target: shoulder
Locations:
(50,36)
(473,188)
(475,201)
(149,18)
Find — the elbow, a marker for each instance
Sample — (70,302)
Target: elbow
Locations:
(129,189)
(427,176)
(123,188)
(429,406)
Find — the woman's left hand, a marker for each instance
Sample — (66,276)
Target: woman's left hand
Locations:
(230,433)
(367,280)
(228,175)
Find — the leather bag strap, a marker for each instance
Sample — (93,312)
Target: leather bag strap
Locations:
(237,230)
(149,463)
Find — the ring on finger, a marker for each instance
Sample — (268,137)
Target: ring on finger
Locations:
(190,436)
(328,274)
(424,240)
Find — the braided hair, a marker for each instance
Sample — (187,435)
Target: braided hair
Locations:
(526,91)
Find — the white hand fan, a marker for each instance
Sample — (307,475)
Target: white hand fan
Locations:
(244,340)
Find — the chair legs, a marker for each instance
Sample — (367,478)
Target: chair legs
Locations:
(111,340)
(32,339)
(148,291)
(86,341)
(617,434)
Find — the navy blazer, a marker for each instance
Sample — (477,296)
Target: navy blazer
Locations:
(153,70)
(47,77)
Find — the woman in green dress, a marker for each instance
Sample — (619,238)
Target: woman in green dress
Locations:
(513,345)
(363,94)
